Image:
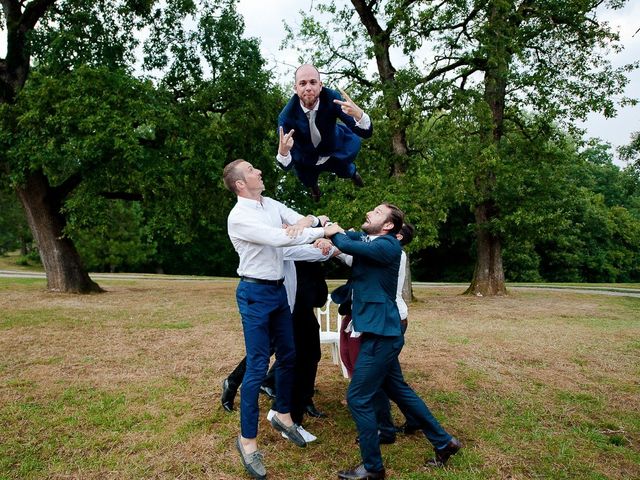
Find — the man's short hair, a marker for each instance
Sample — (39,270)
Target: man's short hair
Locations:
(396,216)
(407,231)
(231,174)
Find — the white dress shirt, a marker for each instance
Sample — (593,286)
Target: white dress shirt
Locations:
(402,273)
(255,230)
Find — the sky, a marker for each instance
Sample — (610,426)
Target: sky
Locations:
(264,20)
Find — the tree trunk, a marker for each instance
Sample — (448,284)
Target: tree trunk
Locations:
(62,263)
(488,276)
(381,40)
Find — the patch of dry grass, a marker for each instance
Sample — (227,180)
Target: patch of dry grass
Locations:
(126,384)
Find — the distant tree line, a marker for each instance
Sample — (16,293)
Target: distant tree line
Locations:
(107,169)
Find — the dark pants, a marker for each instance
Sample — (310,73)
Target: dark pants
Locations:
(306,335)
(378,368)
(308,175)
(266,320)
(235,377)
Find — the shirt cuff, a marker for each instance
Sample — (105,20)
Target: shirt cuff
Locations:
(364,123)
(285,161)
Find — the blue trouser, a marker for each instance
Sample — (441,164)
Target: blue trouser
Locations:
(266,318)
(378,367)
(383,409)
(308,175)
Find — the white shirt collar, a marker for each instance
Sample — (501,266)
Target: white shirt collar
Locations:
(315,107)
(250,202)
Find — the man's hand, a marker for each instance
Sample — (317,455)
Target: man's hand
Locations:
(324,245)
(332,229)
(323,220)
(286,142)
(349,107)
(294,231)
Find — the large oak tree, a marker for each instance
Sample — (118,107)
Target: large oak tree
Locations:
(498,60)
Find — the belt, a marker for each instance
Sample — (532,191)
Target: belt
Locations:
(275,283)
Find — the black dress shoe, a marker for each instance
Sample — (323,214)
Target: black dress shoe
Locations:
(228,395)
(443,454)
(383,439)
(312,411)
(357,180)
(268,391)
(407,429)
(316,193)
(360,473)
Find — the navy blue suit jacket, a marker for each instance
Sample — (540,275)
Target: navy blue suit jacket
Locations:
(374,281)
(340,141)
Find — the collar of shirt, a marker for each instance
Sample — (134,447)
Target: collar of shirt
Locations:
(250,202)
(305,109)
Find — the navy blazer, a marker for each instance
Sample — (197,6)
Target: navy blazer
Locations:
(374,281)
(339,140)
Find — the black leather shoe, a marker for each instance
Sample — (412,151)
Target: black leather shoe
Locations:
(312,411)
(357,180)
(360,473)
(228,395)
(443,454)
(316,193)
(268,391)
(407,429)
(383,439)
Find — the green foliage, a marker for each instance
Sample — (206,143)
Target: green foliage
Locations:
(14,231)
(100,133)
(119,242)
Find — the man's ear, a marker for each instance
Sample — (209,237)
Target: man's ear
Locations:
(387,227)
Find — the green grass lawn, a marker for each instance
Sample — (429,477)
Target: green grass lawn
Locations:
(126,384)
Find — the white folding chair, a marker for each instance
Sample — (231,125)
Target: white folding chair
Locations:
(330,332)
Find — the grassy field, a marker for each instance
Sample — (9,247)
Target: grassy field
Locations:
(125,384)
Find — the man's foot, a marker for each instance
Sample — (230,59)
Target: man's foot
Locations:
(383,438)
(443,454)
(252,462)
(312,411)
(316,193)
(308,436)
(407,429)
(291,431)
(268,391)
(361,473)
(357,180)
(228,395)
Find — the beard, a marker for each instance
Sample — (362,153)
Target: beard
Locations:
(371,228)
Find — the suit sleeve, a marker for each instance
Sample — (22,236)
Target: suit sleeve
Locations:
(380,250)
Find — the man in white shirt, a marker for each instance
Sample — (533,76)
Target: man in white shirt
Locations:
(255,230)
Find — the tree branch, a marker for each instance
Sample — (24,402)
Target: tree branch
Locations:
(34,11)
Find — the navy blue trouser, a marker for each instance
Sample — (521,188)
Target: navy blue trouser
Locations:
(383,408)
(378,367)
(308,175)
(266,318)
